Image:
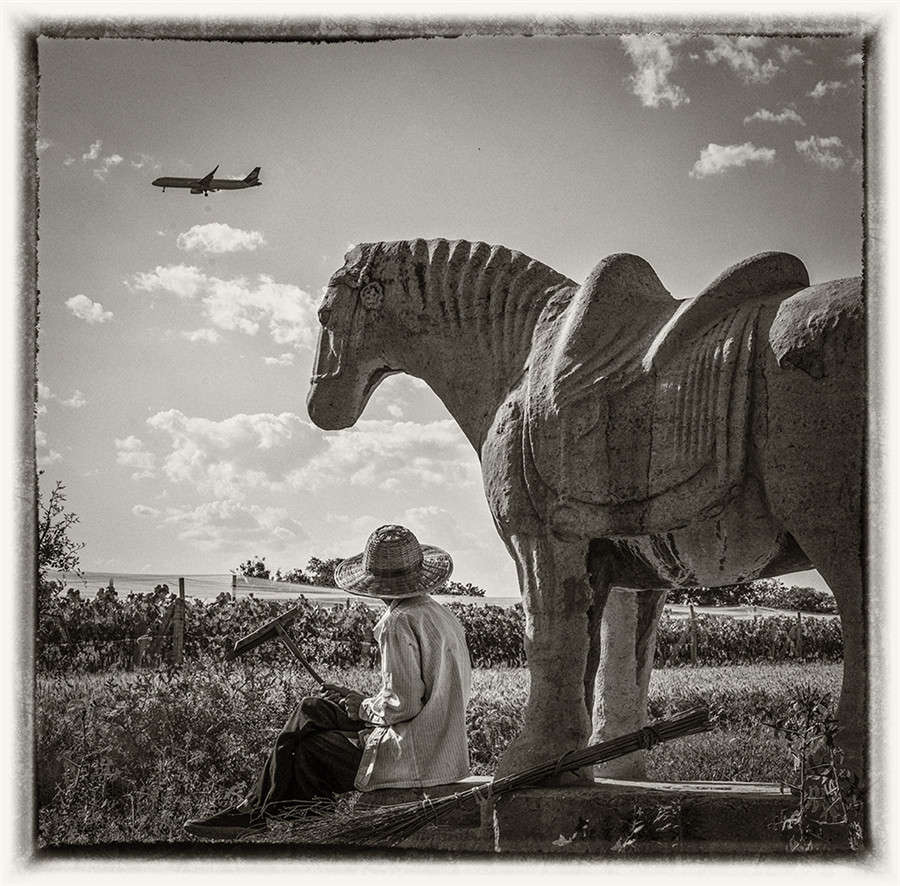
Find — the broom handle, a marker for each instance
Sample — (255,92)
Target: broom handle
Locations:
(295,649)
(688,723)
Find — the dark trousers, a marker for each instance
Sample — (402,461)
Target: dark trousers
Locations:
(313,758)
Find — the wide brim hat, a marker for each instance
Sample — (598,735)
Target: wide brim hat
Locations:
(394,565)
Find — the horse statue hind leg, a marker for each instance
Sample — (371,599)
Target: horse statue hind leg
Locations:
(813,467)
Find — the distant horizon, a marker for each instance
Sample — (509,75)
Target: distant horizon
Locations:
(806,578)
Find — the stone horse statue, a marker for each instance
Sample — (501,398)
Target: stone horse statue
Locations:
(627,440)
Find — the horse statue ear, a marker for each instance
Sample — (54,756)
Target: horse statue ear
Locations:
(372,295)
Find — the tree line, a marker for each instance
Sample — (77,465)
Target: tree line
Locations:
(321,573)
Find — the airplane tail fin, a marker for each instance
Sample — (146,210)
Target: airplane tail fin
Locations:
(253,176)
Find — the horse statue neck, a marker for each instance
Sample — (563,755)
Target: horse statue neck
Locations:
(472,308)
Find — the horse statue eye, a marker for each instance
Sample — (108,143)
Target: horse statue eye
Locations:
(372,295)
(324,314)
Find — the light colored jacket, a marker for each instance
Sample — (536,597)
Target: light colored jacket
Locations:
(419,737)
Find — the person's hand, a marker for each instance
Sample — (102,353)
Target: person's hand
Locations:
(334,692)
(351,702)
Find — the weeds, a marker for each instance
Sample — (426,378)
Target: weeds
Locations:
(830,811)
(128,756)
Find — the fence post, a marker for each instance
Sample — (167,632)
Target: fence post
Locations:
(798,645)
(178,626)
(142,644)
(234,585)
(693,638)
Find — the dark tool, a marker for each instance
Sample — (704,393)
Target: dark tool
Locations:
(271,629)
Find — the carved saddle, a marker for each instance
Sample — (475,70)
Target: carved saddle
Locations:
(638,406)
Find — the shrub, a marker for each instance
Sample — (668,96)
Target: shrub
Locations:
(94,634)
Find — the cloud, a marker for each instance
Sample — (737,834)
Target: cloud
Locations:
(654,62)
(110,161)
(45,395)
(238,304)
(854,60)
(739,55)
(210,336)
(216,237)
(237,456)
(229,457)
(824,152)
(145,511)
(715,159)
(395,410)
(130,453)
(231,525)
(391,455)
(785,115)
(145,161)
(107,163)
(89,311)
(822,88)
(42,144)
(282,360)
(68,161)
(185,281)
(76,401)
(786,53)
(93,152)
(45,455)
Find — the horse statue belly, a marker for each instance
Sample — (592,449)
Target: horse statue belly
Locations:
(736,545)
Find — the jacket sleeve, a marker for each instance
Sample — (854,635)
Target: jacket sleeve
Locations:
(402,685)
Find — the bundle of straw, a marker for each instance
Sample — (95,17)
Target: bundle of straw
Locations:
(390,825)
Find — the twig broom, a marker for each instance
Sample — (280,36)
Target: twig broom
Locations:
(390,825)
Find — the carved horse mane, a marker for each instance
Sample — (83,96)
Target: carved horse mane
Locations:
(476,289)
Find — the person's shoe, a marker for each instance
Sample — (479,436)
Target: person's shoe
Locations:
(239,821)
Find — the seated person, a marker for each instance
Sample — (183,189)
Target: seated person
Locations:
(411,733)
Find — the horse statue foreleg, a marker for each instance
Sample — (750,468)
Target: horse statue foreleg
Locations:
(556,595)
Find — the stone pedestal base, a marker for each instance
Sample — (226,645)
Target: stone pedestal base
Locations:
(649,818)
(613,818)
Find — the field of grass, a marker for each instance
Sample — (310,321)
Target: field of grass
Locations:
(127,757)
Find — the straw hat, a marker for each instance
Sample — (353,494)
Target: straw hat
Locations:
(394,565)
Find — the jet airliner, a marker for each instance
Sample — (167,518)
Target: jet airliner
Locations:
(208,183)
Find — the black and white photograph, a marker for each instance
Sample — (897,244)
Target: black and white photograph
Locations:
(450,438)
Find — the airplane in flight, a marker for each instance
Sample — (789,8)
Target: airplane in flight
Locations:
(208,183)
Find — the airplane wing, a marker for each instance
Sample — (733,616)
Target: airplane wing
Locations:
(203,184)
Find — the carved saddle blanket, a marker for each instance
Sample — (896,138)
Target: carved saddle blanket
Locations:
(650,430)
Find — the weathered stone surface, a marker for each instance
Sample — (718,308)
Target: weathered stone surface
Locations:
(626,440)
(675,819)
(597,819)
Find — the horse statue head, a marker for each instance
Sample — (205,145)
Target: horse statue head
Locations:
(455,313)
(351,359)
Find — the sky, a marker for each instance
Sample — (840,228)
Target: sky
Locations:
(177,331)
